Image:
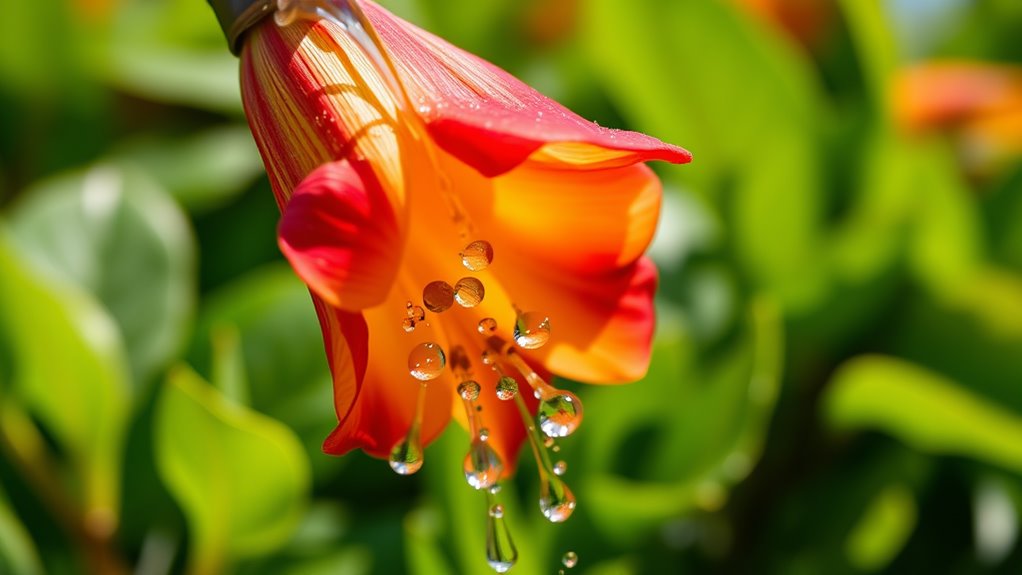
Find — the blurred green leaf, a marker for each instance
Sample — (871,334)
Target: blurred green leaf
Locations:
(39,48)
(229,366)
(875,47)
(886,524)
(422,538)
(70,372)
(114,233)
(240,477)
(923,409)
(17,553)
(202,172)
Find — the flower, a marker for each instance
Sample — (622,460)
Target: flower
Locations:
(412,175)
(980,102)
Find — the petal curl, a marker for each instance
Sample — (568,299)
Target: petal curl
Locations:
(488,118)
(341,235)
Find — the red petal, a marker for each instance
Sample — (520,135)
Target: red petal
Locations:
(341,236)
(487,117)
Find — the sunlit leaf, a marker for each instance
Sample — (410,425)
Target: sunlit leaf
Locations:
(882,530)
(923,409)
(70,372)
(240,477)
(114,233)
(17,553)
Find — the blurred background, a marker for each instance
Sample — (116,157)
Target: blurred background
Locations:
(837,379)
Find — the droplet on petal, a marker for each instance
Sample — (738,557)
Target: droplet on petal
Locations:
(469,292)
(468,390)
(438,296)
(507,388)
(560,414)
(532,330)
(477,255)
(408,324)
(426,361)
(487,325)
(417,313)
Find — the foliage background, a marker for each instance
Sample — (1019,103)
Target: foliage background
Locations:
(837,383)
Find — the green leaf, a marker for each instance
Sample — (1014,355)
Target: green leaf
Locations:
(113,232)
(875,46)
(885,526)
(202,172)
(17,553)
(70,372)
(240,477)
(924,410)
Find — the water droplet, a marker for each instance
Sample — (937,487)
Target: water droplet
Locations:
(559,414)
(507,388)
(560,467)
(532,330)
(548,442)
(482,465)
(484,434)
(556,449)
(417,313)
(406,456)
(468,390)
(500,549)
(426,361)
(477,255)
(438,296)
(424,109)
(469,292)
(556,501)
(570,559)
(495,489)
(408,324)
(487,325)
(488,357)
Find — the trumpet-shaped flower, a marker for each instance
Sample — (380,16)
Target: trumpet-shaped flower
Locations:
(461,234)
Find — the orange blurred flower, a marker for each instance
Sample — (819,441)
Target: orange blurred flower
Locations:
(425,194)
(980,102)
(805,21)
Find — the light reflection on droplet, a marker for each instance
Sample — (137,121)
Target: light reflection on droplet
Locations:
(507,388)
(532,330)
(468,390)
(570,559)
(560,467)
(469,292)
(477,255)
(487,325)
(426,361)
(438,296)
(559,414)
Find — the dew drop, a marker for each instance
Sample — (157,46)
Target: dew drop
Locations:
(477,255)
(556,501)
(482,465)
(560,467)
(406,455)
(495,489)
(507,388)
(416,313)
(570,559)
(426,361)
(500,549)
(438,296)
(408,324)
(559,414)
(487,325)
(468,390)
(532,330)
(488,357)
(548,442)
(484,434)
(469,292)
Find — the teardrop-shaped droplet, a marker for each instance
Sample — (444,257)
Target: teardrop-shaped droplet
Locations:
(507,388)
(532,330)
(426,361)
(477,255)
(559,414)
(468,390)
(570,559)
(500,549)
(469,292)
(556,501)
(560,468)
(487,325)
(406,455)
(438,296)
(482,465)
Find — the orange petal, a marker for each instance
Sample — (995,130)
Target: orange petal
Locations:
(341,236)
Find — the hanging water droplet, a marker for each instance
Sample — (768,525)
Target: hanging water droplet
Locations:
(556,501)
(570,559)
(482,465)
(406,455)
(488,357)
(556,449)
(477,255)
(507,388)
(438,296)
(559,413)
(468,390)
(426,361)
(500,549)
(469,292)
(484,434)
(495,489)
(487,325)
(548,442)
(560,467)
(532,330)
